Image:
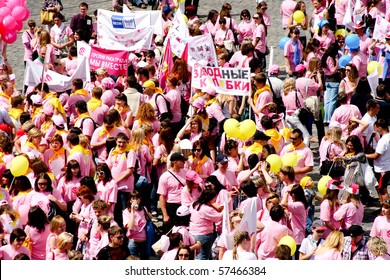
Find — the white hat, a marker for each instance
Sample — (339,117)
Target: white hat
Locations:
(182,211)
(58,120)
(36,99)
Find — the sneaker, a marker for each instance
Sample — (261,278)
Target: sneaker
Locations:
(154,213)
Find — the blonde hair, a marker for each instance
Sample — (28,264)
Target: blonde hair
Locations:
(102,71)
(136,139)
(64,239)
(289,85)
(34,132)
(56,223)
(239,237)
(84,141)
(336,134)
(335,240)
(75,255)
(377,246)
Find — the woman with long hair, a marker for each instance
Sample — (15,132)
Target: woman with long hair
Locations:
(325,36)
(223,34)
(69,183)
(352,210)
(302,26)
(181,72)
(297,207)
(202,224)
(293,101)
(241,245)
(329,63)
(245,27)
(311,50)
(260,39)
(106,186)
(146,115)
(161,153)
(199,160)
(350,82)
(329,206)
(62,37)
(212,18)
(134,220)
(331,248)
(37,230)
(173,96)
(184,253)
(124,109)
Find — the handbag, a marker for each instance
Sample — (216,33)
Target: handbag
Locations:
(369,178)
(162,245)
(369,148)
(153,233)
(47,17)
(332,168)
(353,174)
(303,112)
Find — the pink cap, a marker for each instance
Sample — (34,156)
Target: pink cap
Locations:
(353,189)
(194,177)
(300,68)
(274,69)
(210,90)
(48,109)
(198,103)
(108,83)
(334,185)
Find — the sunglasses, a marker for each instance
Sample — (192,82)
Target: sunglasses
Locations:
(184,255)
(293,139)
(264,9)
(100,173)
(255,17)
(32,25)
(196,150)
(20,239)
(221,22)
(320,231)
(120,237)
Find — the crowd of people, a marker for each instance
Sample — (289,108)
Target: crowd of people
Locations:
(107,164)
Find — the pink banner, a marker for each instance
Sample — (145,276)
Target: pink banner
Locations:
(114,61)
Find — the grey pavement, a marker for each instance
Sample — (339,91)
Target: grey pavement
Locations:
(275,32)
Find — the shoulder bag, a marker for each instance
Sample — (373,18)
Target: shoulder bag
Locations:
(332,168)
(304,113)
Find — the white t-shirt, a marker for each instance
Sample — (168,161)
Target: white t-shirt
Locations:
(382,163)
(308,244)
(370,129)
(241,256)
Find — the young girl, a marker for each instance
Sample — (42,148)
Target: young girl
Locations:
(64,245)
(69,183)
(57,226)
(329,206)
(106,186)
(240,252)
(9,219)
(134,221)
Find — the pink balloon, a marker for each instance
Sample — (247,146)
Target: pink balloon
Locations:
(13,3)
(19,12)
(23,213)
(10,36)
(9,22)
(19,25)
(27,15)
(2,3)
(4,11)
(2,29)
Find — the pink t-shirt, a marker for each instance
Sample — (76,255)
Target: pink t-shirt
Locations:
(203,219)
(54,162)
(206,168)
(187,198)
(146,159)
(286,10)
(170,187)
(87,213)
(343,113)
(26,39)
(68,189)
(326,215)
(58,256)
(69,106)
(38,241)
(228,179)
(268,239)
(360,61)
(119,164)
(298,220)
(341,8)
(138,232)
(99,113)
(88,126)
(331,254)
(41,199)
(85,161)
(289,50)
(7,252)
(306,87)
(349,214)
(381,228)
(325,41)
(305,158)
(108,97)
(260,33)
(247,202)
(108,193)
(245,30)
(236,57)
(174,98)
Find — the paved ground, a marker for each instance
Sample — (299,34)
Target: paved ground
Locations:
(275,32)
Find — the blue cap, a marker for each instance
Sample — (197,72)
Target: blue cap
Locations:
(323,22)
(166,10)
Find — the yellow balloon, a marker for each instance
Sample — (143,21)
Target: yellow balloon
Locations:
(19,166)
(290,159)
(290,242)
(298,16)
(247,129)
(341,32)
(323,184)
(275,162)
(185,18)
(231,127)
(374,65)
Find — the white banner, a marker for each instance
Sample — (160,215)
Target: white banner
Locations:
(177,33)
(232,81)
(55,81)
(126,32)
(381,27)
(201,50)
(155,18)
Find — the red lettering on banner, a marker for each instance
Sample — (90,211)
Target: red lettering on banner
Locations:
(203,72)
(236,85)
(210,71)
(229,84)
(217,73)
(48,78)
(245,86)
(202,82)
(215,81)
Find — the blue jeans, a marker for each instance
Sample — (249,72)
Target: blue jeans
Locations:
(207,242)
(138,249)
(330,99)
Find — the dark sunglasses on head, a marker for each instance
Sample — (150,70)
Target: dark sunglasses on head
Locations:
(32,25)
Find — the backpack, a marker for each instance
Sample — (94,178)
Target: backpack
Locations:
(168,114)
(95,125)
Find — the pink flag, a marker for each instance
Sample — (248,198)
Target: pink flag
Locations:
(185,53)
(166,65)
